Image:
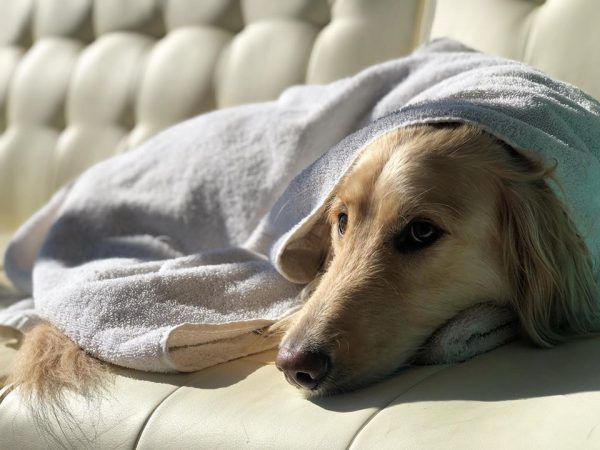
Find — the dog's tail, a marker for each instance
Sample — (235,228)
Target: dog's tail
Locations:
(49,364)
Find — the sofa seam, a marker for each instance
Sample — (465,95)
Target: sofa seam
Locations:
(150,415)
(527,41)
(376,413)
(5,391)
(422,32)
(186,384)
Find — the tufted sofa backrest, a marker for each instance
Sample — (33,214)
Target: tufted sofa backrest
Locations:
(81,80)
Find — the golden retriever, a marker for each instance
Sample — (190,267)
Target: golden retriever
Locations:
(429,220)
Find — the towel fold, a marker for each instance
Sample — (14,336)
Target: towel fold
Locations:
(171,256)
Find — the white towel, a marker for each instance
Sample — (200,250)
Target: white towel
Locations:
(170,256)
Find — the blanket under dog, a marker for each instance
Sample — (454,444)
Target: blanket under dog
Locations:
(173,255)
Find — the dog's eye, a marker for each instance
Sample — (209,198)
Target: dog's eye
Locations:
(417,235)
(342,223)
(422,232)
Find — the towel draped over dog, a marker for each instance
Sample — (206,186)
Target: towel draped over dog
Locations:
(173,255)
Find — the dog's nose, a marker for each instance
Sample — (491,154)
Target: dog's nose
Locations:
(303,368)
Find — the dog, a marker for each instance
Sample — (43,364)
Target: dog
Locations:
(429,221)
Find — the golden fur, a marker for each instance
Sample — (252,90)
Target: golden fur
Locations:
(49,363)
(505,238)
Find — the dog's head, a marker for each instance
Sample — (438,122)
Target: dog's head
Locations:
(428,222)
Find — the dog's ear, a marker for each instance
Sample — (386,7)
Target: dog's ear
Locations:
(553,287)
(308,253)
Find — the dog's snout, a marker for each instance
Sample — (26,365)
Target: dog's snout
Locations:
(303,368)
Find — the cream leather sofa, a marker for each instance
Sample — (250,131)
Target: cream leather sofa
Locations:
(81,80)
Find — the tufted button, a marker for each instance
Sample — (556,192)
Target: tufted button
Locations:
(225,14)
(143,16)
(68,18)
(315,12)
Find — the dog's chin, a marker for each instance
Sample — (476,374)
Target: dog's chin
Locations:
(335,384)
(326,389)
